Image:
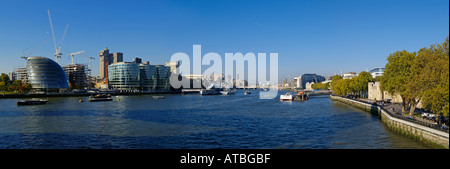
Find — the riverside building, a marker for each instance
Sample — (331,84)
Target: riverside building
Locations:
(107,59)
(45,74)
(138,76)
(300,82)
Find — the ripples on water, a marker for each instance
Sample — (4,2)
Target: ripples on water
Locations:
(193,121)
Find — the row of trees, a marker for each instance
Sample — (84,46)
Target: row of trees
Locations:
(320,86)
(419,76)
(7,85)
(356,86)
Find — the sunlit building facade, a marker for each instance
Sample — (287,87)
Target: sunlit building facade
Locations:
(45,74)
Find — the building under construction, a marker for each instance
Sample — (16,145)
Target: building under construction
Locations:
(77,75)
(19,74)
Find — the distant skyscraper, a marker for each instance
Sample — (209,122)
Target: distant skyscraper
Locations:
(106,59)
(137,60)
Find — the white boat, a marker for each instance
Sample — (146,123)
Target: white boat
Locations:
(158,97)
(227,92)
(286,96)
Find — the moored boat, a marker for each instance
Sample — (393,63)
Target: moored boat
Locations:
(158,97)
(31,102)
(286,96)
(100,97)
(228,92)
(247,92)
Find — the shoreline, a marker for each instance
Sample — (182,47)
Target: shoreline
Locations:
(429,136)
(12,96)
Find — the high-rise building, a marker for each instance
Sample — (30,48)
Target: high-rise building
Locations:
(137,60)
(106,59)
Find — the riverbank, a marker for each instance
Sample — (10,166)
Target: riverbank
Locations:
(429,136)
(9,96)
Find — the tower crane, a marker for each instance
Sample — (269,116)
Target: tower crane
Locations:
(76,53)
(25,56)
(58,53)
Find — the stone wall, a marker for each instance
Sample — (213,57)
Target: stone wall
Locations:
(432,137)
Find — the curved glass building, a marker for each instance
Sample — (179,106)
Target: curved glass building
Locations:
(45,74)
(377,72)
(124,76)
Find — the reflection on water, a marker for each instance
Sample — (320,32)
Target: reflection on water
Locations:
(193,121)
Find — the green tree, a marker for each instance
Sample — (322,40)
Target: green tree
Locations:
(3,86)
(397,77)
(335,84)
(360,82)
(430,71)
(26,87)
(4,78)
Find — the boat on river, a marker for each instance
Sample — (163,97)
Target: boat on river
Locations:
(228,92)
(158,97)
(31,102)
(100,97)
(287,96)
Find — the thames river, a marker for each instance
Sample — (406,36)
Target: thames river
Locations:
(193,121)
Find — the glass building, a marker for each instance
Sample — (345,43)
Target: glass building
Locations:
(377,72)
(124,76)
(45,74)
(138,76)
(148,76)
(163,74)
(300,82)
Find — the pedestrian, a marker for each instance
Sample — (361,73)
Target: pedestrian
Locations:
(444,126)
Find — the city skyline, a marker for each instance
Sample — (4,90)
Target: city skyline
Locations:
(322,37)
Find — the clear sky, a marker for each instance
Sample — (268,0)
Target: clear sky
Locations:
(320,36)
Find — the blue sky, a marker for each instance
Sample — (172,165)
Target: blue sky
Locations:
(320,36)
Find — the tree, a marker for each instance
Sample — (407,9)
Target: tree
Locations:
(397,77)
(4,78)
(3,86)
(360,82)
(335,84)
(430,70)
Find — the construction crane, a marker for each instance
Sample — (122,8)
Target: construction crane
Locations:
(25,56)
(58,53)
(76,53)
(89,69)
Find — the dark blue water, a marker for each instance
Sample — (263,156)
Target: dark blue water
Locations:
(193,121)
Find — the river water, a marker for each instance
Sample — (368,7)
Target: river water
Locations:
(193,121)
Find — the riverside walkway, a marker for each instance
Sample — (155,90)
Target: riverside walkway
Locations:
(394,109)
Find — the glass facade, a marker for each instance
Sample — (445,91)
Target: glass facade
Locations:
(148,76)
(44,73)
(301,81)
(163,73)
(124,76)
(135,76)
(377,72)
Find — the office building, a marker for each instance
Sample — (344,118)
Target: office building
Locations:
(77,75)
(124,76)
(107,59)
(46,75)
(377,72)
(300,82)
